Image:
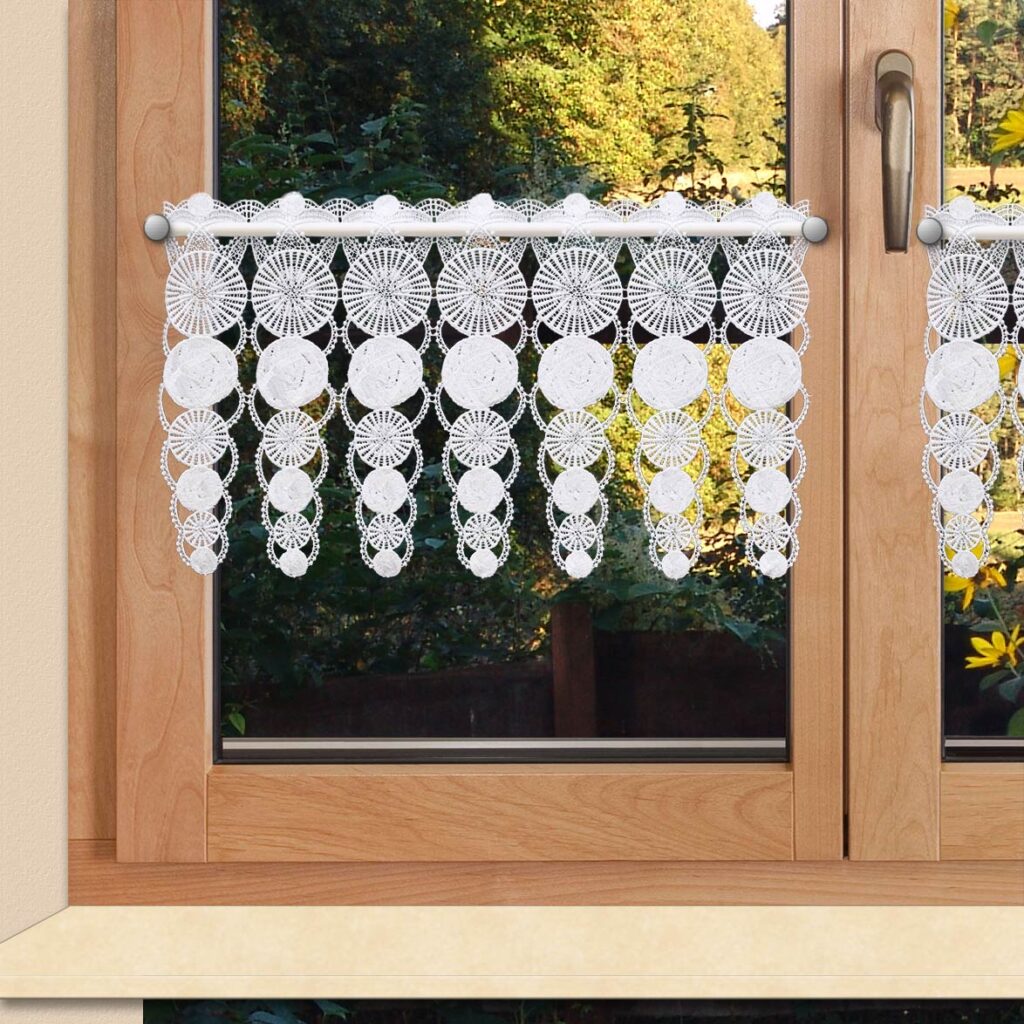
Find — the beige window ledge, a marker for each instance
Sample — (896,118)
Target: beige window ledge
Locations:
(733,952)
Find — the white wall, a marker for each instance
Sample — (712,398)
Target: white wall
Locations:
(33,489)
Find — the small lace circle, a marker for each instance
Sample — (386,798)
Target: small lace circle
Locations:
(385,531)
(962,533)
(387,564)
(205,293)
(960,491)
(576,291)
(577,532)
(198,437)
(771,532)
(291,372)
(959,440)
(385,371)
(203,561)
(201,530)
(383,438)
(672,490)
(961,375)
(965,564)
(479,437)
(479,372)
(670,439)
(765,292)
(482,531)
(574,438)
(675,565)
(579,564)
(481,291)
(386,291)
(480,490)
(290,490)
(293,292)
(199,488)
(575,491)
(200,371)
(670,372)
(294,563)
(671,291)
(773,564)
(675,533)
(483,564)
(764,373)
(290,438)
(384,490)
(575,372)
(967,296)
(768,490)
(766,439)
(292,530)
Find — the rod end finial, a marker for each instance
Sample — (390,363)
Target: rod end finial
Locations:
(815,229)
(929,230)
(156,227)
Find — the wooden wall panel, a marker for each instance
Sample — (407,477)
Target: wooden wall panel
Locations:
(500,813)
(894,599)
(163,128)
(92,427)
(816,630)
(983,813)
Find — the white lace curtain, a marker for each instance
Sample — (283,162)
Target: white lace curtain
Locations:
(968,338)
(606,342)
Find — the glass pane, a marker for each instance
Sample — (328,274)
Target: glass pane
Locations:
(984,673)
(519,99)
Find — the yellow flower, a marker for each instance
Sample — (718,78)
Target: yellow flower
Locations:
(1007,363)
(951,14)
(1009,133)
(988,576)
(996,651)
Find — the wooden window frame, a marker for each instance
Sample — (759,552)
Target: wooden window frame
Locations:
(140,625)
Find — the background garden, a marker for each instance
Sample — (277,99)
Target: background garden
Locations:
(541,98)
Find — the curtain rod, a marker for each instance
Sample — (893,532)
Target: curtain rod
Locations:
(931,230)
(157,228)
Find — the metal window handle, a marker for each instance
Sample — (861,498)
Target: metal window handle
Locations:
(894,115)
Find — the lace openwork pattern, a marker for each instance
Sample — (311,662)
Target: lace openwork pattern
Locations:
(351,326)
(962,401)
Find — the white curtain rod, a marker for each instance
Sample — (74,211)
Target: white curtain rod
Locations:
(931,230)
(157,228)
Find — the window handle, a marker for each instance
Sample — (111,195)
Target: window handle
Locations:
(894,115)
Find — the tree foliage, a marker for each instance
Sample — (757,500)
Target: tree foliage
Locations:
(512,95)
(984,54)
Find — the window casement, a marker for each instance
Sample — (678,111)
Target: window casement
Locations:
(863,785)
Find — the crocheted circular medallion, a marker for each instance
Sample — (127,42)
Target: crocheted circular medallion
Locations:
(967,296)
(575,372)
(204,294)
(671,292)
(576,291)
(481,291)
(670,372)
(764,373)
(293,292)
(386,291)
(765,293)
(291,372)
(385,371)
(961,375)
(479,372)
(200,371)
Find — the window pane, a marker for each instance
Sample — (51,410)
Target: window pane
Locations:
(984,85)
(523,98)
